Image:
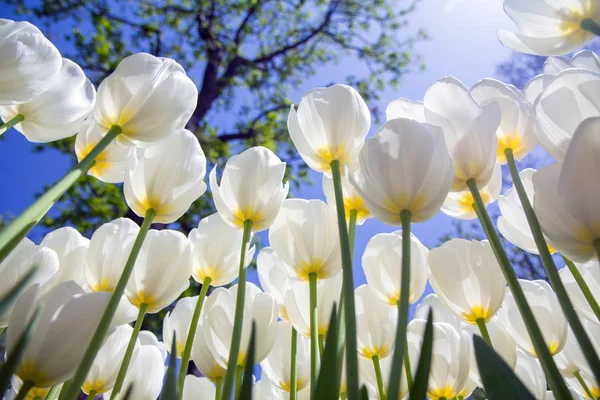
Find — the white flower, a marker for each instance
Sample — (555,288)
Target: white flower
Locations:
(177,321)
(58,112)
(330,124)
(571,359)
(367,376)
(218,323)
(161,272)
(273,278)
(405,166)
(202,355)
(352,200)
(49,359)
(439,310)
(382,260)
(530,373)
(460,204)
(250,188)
(196,388)
(149,97)
(375,324)
(565,201)
(167,177)
(305,236)
(30,62)
(146,372)
(590,272)
(71,248)
(548,28)
(216,250)
(467,278)
(547,313)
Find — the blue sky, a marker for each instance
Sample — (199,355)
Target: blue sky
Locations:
(463,44)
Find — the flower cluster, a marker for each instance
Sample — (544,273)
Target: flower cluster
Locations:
(67,303)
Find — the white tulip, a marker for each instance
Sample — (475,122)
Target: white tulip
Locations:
(516,124)
(460,204)
(161,272)
(111,163)
(147,338)
(146,373)
(381,263)
(467,278)
(196,388)
(375,324)
(177,321)
(405,166)
(71,248)
(569,94)
(297,305)
(276,367)
(267,390)
(30,62)
(546,310)
(352,200)
(48,359)
(590,382)
(590,272)
(250,188)
(259,307)
(305,236)
(548,28)
(368,377)
(273,277)
(215,249)
(58,112)
(450,357)
(103,373)
(149,97)
(439,310)
(34,393)
(167,177)
(330,124)
(203,357)
(19,262)
(571,359)
(530,373)
(565,201)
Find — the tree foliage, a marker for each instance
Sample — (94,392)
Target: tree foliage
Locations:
(246,57)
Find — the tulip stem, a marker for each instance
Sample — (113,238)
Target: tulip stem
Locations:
(185,356)
(219,384)
(234,349)
(11,122)
(314,329)
(591,26)
(548,262)
(25,388)
(129,352)
(484,330)
(554,378)
(377,368)
(13,233)
(349,315)
(584,385)
(352,229)
(238,379)
(52,392)
(110,311)
(407,368)
(584,287)
(402,304)
(293,370)
(92,395)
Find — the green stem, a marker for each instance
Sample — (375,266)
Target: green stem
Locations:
(234,349)
(25,388)
(343,396)
(37,398)
(377,367)
(13,233)
(397,357)
(129,351)
(484,330)
(110,311)
(348,287)
(584,385)
(65,389)
(52,392)
(352,229)
(551,271)
(407,368)
(185,357)
(238,379)
(314,329)
(293,366)
(11,122)
(591,26)
(219,384)
(91,395)
(584,287)
(554,378)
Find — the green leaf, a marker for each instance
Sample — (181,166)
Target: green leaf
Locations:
(128,392)
(7,301)
(12,362)
(499,380)
(170,389)
(246,390)
(328,373)
(419,388)
(364,393)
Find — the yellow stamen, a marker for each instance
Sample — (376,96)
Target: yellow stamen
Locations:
(380,352)
(97,386)
(142,298)
(242,215)
(477,312)
(438,393)
(328,154)
(466,200)
(201,273)
(356,203)
(307,268)
(513,142)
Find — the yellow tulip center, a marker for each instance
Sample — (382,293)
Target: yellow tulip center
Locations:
(97,386)
(29,372)
(477,312)
(180,347)
(466,200)
(514,142)
(101,161)
(328,154)
(37,392)
(393,297)
(571,17)
(287,386)
(307,268)
(201,273)
(595,391)
(155,203)
(104,286)
(142,298)
(216,372)
(370,352)
(445,392)
(241,215)
(356,203)
(553,348)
